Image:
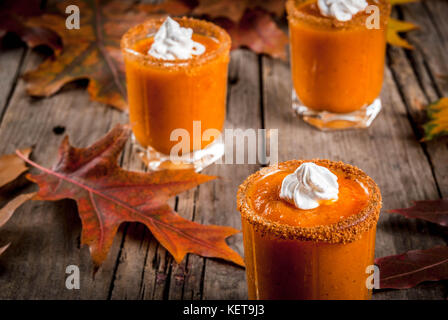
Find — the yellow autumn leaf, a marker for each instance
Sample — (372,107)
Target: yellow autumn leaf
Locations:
(394,27)
(437,124)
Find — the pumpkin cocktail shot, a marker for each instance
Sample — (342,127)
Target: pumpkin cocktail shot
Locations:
(337,60)
(309,230)
(176,76)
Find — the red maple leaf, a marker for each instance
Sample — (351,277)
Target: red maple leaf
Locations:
(108,195)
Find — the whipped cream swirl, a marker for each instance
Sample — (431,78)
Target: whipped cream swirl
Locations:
(309,185)
(342,10)
(173,42)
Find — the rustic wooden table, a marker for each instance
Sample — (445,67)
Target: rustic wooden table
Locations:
(45,236)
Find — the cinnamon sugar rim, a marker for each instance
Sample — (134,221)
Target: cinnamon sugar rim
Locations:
(344,231)
(358,20)
(150,27)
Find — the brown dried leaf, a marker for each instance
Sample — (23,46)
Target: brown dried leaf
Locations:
(258,32)
(13,17)
(108,195)
(437,124)
(234,10)
(11,166)
(3,249)
(394,28)
(168,7)
(8,210)
(395,2)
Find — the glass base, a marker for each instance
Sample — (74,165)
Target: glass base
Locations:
(198,160)
(328,121)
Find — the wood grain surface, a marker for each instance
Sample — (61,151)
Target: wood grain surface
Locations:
(45,236)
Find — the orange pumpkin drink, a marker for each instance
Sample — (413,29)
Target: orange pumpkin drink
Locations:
(176,75)
(337,60)
(309,230)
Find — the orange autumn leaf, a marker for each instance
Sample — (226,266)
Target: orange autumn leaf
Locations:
(11,166)
(394,28)
(234,10)
(108,195)
(437,124)
(257,31)
(93,51)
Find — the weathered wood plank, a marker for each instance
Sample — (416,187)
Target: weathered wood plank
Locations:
(190,273)
(45,236)
(217,200)
(388,152)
